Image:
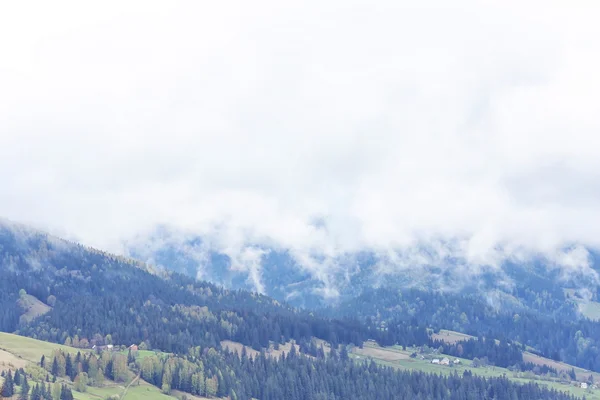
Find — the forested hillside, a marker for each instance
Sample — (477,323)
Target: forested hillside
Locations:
(93,294)
(553,329)
(90,299)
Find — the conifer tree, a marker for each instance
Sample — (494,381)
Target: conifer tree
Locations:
(69,367)
(35,393)
(54,369)
(24,389)
(8,388)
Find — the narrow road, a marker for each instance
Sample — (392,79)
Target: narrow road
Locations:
(137,378)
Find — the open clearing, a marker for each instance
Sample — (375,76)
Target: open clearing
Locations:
(30,349)
(582,374)
(398,358)
(271,352)
(10,361)
(237,347)
(589,309)
(19,351)
(386,354)
(32,308)
(451,337)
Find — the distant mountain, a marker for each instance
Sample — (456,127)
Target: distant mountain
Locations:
(317,281)
(52,289)
(63,292)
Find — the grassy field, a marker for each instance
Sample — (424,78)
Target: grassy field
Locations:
(589,309)
(32,307)
(30,349)
(19,351)
(10,361)
(450,337)
(398,358)
(94,393)
(141,354)
(136,392)
(582,374)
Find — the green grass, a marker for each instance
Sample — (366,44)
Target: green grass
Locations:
(146,391)
(488,372)
(141,354)
(30,349)
(94,393)
(135,392)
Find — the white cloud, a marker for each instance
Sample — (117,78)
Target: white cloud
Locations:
(392,123)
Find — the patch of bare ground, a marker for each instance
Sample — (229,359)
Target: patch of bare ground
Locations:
(582,374)
(381,353)
(10,361)
(450,337)
(271,351)
(32,308)
(237,348)
(283,349)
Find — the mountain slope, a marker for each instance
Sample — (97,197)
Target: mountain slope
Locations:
(95,294)
(98,299)
(315,280)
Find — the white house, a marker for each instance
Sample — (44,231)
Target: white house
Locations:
(584,385)
(435,361)
(457,361)
(445,361)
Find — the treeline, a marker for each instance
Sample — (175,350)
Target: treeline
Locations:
(502,354)
(559,334)
(18,385)
(89,368)
(95,294)
(297,377)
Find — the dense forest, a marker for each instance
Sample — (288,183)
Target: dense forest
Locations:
(296,376)
(95,295)
(554,330)
(93,298)
(206,372)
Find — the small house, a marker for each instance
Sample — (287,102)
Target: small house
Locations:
(584,385)
(101,348)
(435,361)
(457,361)
(133,347)
(445,361)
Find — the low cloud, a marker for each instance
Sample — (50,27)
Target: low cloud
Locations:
(320,129)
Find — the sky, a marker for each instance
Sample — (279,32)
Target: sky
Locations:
(322,127)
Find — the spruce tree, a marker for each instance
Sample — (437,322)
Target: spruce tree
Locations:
(43,393)
(17,378)
(24,389)
(69,367)
(8,388)
(66,393)
(35,393)
(54,369)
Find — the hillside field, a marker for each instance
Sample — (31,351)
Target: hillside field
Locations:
(19,352)
(396,357)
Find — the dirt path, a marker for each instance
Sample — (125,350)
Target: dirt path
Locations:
(137,378)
